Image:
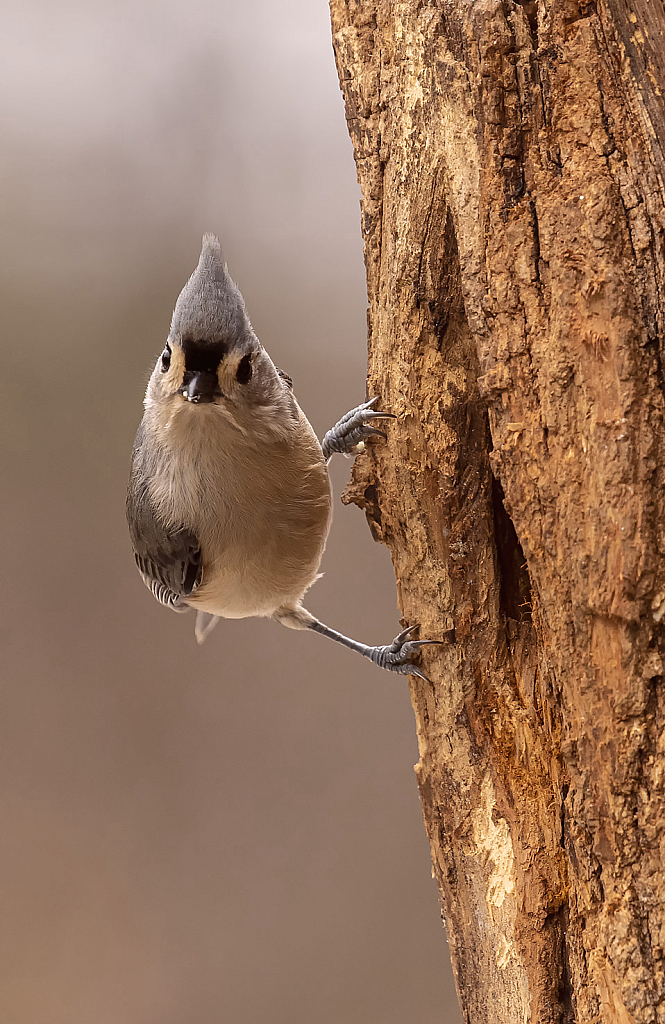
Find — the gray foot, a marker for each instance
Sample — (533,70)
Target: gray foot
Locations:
(349,433)
(399,656)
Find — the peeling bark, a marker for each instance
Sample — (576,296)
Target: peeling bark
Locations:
(513,212)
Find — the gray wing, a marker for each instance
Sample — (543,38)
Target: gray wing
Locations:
(169,560)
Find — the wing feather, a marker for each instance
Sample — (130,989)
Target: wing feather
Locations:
(169,560)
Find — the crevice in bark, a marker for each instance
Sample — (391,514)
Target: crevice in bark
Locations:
(566,992)
(564,794)
(373,512)
(515,583)
(539,263)
(531,11)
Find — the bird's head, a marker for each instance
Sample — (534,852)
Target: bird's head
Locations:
(212,357)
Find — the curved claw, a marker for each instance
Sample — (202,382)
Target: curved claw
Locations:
(373,414)
(401,637)
(368,431)
(413,670)
(409,669)
(376,412)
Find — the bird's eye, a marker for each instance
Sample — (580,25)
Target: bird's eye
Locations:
(166,359)
(244,371)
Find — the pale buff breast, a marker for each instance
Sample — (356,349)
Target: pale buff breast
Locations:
(257,497)
(263,542)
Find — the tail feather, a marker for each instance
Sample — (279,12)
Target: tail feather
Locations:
(205,623)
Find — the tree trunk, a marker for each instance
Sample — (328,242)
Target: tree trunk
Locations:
(513,216)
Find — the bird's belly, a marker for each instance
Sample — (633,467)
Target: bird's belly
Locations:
(239,584)
(233,596)
(254,564)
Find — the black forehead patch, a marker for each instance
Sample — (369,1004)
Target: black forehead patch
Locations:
(203,355)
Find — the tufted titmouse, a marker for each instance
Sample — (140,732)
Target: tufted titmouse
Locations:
(229,499)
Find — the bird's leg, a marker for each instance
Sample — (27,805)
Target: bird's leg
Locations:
(399,656)
(349,433)
(396,657)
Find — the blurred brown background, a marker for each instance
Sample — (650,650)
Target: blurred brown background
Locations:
(220,834)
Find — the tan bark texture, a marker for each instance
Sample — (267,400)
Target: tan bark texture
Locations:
(513,211)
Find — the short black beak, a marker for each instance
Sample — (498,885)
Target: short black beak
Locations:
(199,386)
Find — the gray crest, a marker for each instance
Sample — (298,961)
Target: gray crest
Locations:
(210,306)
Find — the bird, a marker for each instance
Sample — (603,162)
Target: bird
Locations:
(229,500)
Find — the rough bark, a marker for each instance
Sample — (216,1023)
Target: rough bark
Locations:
(513,213)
